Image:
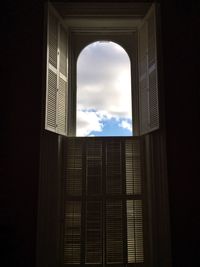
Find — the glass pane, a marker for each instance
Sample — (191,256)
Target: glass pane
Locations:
(104,91)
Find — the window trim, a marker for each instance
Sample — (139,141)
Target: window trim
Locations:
(80,38)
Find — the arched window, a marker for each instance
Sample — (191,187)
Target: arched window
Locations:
(99,196)
(104,105)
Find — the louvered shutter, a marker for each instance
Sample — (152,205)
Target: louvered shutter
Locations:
(72,232)
(113,168)
(57,80)
(103,222)
(135,233)
(94,168)
(94,237)
(73,174)
(114,232)
(148,82)
(72,162)
(133,167)
(134,206)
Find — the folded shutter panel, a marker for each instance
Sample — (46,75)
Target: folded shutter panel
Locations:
(152,66)
(135,231)
(94,168)
(147,64)
(134,209)
(72,232)
(143,79)
(73,168)
(113,168)
(133,167)
(57,80)
(51,100)
(93,240)
(52,73)
(53,40)
(114,232)
(63,83)
(62,106)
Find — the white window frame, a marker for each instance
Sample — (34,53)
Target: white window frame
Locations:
(80,38)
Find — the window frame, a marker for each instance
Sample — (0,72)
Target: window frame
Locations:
(145,94)
(80,38)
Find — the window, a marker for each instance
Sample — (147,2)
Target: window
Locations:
(61,59)
(98,196)
(103,91)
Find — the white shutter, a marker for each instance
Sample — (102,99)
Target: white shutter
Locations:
(63,83)
(57,80)
(52,66)
(148,85)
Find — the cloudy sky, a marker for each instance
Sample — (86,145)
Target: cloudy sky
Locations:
(103,91)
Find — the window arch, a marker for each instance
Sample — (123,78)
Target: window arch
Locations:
(104,105)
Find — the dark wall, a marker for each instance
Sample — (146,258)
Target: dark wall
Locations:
(181,36)
(22,51)
(22,26)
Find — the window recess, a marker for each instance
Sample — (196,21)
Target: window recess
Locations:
(99,181)
(61,98)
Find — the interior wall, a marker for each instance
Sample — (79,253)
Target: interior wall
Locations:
(22,51)
(181,66)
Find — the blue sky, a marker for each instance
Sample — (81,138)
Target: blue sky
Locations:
(104,91)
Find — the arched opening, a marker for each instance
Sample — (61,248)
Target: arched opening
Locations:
(104,105)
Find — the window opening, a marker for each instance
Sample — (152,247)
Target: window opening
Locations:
(104,91)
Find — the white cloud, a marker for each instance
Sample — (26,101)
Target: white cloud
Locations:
(126,125)
(87,122)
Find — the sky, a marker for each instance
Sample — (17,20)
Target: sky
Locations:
(104,91)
